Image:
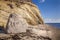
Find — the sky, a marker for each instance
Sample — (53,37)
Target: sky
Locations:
(50,10)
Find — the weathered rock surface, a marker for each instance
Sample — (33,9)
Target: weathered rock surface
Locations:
(16,24)
(18,29)
(32,33)
(24,22)
(27,36)
(27,10)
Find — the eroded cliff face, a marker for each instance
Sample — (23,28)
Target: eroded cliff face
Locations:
(22,21)
(28,10)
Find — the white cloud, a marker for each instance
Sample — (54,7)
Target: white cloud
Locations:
(52,20)
(41,1)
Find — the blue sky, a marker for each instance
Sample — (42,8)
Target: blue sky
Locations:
(50,10)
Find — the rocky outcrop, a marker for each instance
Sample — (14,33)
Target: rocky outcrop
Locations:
(22,21)
(19,27)
(28,10)
(33,34)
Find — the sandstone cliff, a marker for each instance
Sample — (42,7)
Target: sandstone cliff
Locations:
(23,21)
(28,10)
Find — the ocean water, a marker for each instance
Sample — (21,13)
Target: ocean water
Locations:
(57,25)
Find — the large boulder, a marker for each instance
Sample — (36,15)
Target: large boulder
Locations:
(16,24)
